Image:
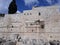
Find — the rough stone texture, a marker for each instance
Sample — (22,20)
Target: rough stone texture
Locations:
(26,28)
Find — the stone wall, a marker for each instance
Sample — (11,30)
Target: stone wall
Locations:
(24,28)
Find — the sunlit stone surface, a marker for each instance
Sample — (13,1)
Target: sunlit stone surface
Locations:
(39,26)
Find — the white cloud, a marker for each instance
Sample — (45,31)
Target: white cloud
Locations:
(50,2)
(31,2)
(58,2)
(18,11)
(4,5)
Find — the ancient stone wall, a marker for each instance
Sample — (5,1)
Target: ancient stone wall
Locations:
(34,28)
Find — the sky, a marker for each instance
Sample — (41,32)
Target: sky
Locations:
(26,4)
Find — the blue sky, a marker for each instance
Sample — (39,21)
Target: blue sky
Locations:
(26,4)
